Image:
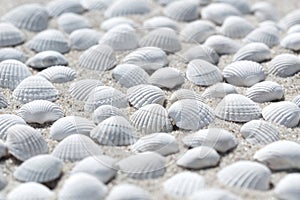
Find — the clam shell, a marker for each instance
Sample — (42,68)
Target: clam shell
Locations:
(3,101)
(160,22)
(246,174)
(8,120)
(219,90)
(197,31)
(236,27)
(288,187)
(47,59)
(70,22)
(96,4)
(81,89)
(294,29)
(213,194)
(115,21)
(284,65)
(11,53)
(185,94)
(182,11)
(58,7)
(201,52)
(167,77)
(265,11)
(3,150)
(241,5)
(10,35)
(85,38)
(268,35)
(291,42)
(291,19)
(106,111)
(128,191)
(257,52)
(58,74)
(296,100)
(222,45)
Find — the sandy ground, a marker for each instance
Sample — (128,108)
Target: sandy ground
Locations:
(244,151)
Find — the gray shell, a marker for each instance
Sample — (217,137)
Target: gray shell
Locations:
(265,11)
(70,22)
(3,150)
(167,77)
(222,45)
(254,51)
(58,74)
(213,194)
(160,22)
(58,7)
(3,101)
(219,90)
(288,187)
(96,4)
(3,181)
(106,111)
(268,35)
(46,59)
(242,5)
(8,120)
(291,19)
(12,53)
(201,52)
(294,29)
(197,31)
(296,100)
(115,21)
(185,94)
(10,35)
(128,191)
(81,89)
(182,11)
(236,27)
(83,39)
(284,65)
(291,42)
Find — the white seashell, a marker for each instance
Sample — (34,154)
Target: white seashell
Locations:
(10,35)
(12,53)
(237,108)
(96,4)
(128,191)
(8,120)
(213,194)
(219,139)
(291,42)
(147,165)
(268,35)
(85,38)
(270,23)
(3,181)
(33,17)
(201,52)
(284,65)
(241,5)
(100,57)
(162,143)
(236,27)
(222,45)
(80,90)
(189,114)
(284,113)
(219,90)
(246,174)
(3,101)
(255,51)
(46,59)
(164,38)
(291,19)
(280,155)
(288,187)
(294,29)
(58,7)
(70,22)
(160,22)
(182,11)
(296,100)
(197,31)
(73,188)
(106,111)
(167,77)
(184,184)
(102,167)
(58,74)
(3,150)
(203,73)
(152,118)
(75,147)
(116,21)
(185,94)
(24,142)
(40,168)
(265,11)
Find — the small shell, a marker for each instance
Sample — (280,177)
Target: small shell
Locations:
(83,39)
(8,120)
(237,108)
(257,52)
(96,4)
(148,165)
(219,90)
(160,22)
(201,52)
(69,125)
(284,65)
(288,187)
(236,27)
(24,142)
(47,59)
(58,7)
(197,31)
(246,174)
(3,150)
(213,194)
(265,11)
(12,53)
(106,111)
(190,114)
(80,90)
(58,74)
(291,19)
(241,5)
(167,77)
(182,11)
(185,94)
(280,155)
(70,22)
(296,100)
(222,45)
(268,35)
(128,191)
(284,113)
(291,42)
(10,35)
(116,21)
(3,101)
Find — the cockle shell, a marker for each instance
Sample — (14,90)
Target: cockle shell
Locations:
(10,35)
(3,149)
(241,5)
(255,51)
(219,90)
(291,42)
(106,111)
(70,22)
(116,21)
(160,22)
(58,7)
(182,11)
(81,89)
(268,35)
(58,74)
(12,53)
(8,120)
(296,100)
(167,77)
(291,19)
(185,94)
(222,45)
(3,101)
(265,11)
(284,65)
(197,31)
(213,194)
(47,59)
(201,52)
(128,191)
(83,39)
(96,4)
(294,29)
(236,27)
(288,187)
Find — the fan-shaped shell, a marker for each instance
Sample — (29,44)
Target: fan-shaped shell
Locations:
(197,31)
(201,52)
(255,51)
(83,39)
(10,35)
(182,11)
(284,65)
(185,94)
(8,120)
(167,77)
(3,101)
(291,42)
(70,22)
(288,187)
(219,90)
(58,7)
(241,5)
(236,27)
(81,89)
(127,191)
(47,59)
(160,22)
(291,19)
(105,112)
(58,74)
(3,149)
(213,194)
(12,53)
(116,21)
(222,45)
(268,35)
(265,11)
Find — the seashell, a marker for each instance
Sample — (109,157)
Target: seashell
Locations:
(30,190)
(40,168)
(236,27)
(147,165)
(241,5)
(291,19)
(259,132)
(35,88)
(213,194)
(3,150)
(33,17)
(185,94)
(268,35)
(58,74)
(280,155)
(102,167)
(141,95)
(257,52)
(270,23)
(164,38)
(58,7)
(160,22)
(8,120)
(190,114)
(218,12)
(284,65)
(296,100)
(182,11)
(10,35)
(219,90)
(129,75)
(81,89)
(162,143)
(69,125)
(127,191)
(199,158)
(284,113)
(3,181)
(197,31)
(291,42)
(294,29)
(237,108)
(24,142)
(100,57)
(222,45)
(121,38)
(246,174)
(167,77)
(116,21)
(148,58)
(106,111)
(70,22)
(40,111)
(152,118)
(265,91)
(3,102)
(288,187)
(50,39)
(184,184)
(46,59)
(85,38)
(12,72)
(265,11)
(201,52)
(12,53)
(203,73)
(75,147)
(96,4)
(219,139)
(73,188)
(166,2)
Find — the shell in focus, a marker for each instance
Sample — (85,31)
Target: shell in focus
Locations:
(284,65)
(291,42)
(8,120)
(185,94)
(255,51)
(10,35)
(236,27)
(106,111)
(58,74)
(128,191)
(222,45)
(197,31)
(288,187)
(182,11)
(201,52)
(268,35)
(81,89)
(12,53)
(46,59)
(167,77)
(219,90)
(58,7)
(85,38)
(70,22)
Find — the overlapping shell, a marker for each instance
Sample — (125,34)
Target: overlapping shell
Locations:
(116,21)
(222,45)
(268,35)
(70,22)
(159,22)
(12,53)
(291,19)
(10,35)
(8,120)
(81,89)
(106,111)
(241,5)
(254,51)
(197,31)
(167,77)
(182,11)
(284,65)
(58,7)
(185,94)
(95,4)
(288,187)
(201,52)
(219,90)
(296,100)
(236,27)
(128,191)
(291,42)
(58,74)
(3,101)
(47,59)
(83,39)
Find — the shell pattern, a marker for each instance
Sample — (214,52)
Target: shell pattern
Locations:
(197,31)
(181,11)
(159,22)
(284,65)
(185,94)
(58,7)
(10,35)
(81,89)
(222,45)
(219,90)
(11,53)
(58,74)
(268,35)
(8,120)
(115,21)
(106,111)
(85,38)
(201,52)
(255,51)
(236,27)
(70,22)
(167,77)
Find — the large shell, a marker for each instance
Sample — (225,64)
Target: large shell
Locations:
(213,194)
(291,42)
(291,19)
(106,111)
(12,53)
(201,52)
(58,74)
(116,21)
(288,187)
(160,22)
(10,35)
(128,191)
(222,45)
(255,51)
(246,174)
(58,7)
(47,59)
(167,77)
(83,39)
(80,90)
(8,120)
(96,4)
(185,94)
(236,27)
(197,31)
(265,11)
(219,90)
(284,65)
(182,11)
(241,5)
(294,29)
(268,35)
(3,101)
(70,22)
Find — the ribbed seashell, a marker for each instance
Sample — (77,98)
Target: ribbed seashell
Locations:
(246,174)
(236,27)
(12,53)
(46,59)
(241,5)
(162,143)
(3,149)
(105,112)
(58,74)
(268,35)
(100,57)
(294,29)
(30,190)
(255,51)
(217,138)
(296,100)
(189,114)
(164,38)
(70,22)
(148,58)
(128,7)
(265,11)
(237,108)
(160,22)
(270,23)
(40,168)
(284,113)
(222,45)
(291,42)
(185,94)
(10,35)
(83,39)
(284,65)
(33,17)
(81,89)
(218,12)
(73,188)
(280,155)
(3,101)
(128,191)
(213,194)
(291,19)
(116,21)
(8,120)
(147,165)
(58,7)
(288,187)
(219,90)
(265,91)
(102,167)
(75,147)
(129,75)
(35,88)
(201,52)
(24,142)
(182,11)
(152,118)
(49,40)
(167,77)
(203,73)
(197,31)
(96,4)
(184,184)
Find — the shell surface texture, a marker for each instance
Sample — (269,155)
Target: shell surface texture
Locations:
(46,59)
(58,74)
(10,35)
